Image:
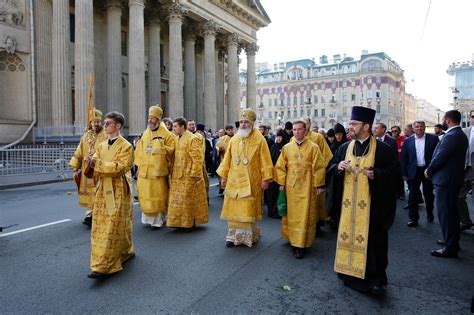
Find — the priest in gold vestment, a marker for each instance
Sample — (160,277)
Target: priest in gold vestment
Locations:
(112,215)
(364,172)
(153,155)
(187,205)
(93,136)
(245,172)
(300,172)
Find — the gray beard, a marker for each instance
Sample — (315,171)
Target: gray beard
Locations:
(153,127)
(244,133)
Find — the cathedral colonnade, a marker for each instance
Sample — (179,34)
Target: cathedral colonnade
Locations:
(186,62)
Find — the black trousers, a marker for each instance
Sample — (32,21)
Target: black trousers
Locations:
(448,215)
(414,194)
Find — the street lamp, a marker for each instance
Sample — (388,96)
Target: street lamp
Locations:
(455,97)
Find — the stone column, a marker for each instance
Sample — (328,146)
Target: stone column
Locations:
(61,82)
(209,31)
(251,50)
(154,66)
(83,59)
(136,68)
(233,86)
(114,56)
(190,111)
(43,61)
(199,82)
(175,100)
(220,88)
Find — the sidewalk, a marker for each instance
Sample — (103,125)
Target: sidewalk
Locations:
(15,181)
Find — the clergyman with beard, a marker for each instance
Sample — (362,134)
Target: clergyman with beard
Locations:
(245,172)
(153,154)
(93,136)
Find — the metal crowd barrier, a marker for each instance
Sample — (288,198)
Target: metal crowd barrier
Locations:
(36,159)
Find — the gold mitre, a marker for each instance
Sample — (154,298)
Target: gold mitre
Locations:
(248,114)
(155,111)
(97,114)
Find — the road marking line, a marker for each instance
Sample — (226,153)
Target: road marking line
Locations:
(214,185)
(135,203)
(34,227)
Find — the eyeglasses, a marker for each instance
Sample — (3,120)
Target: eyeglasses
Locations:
(106,123)
(472,116)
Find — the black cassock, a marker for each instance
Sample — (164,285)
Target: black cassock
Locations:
(382,209)
(271,194)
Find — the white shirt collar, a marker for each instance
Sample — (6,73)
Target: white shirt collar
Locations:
(362,141)
(457,126)
(420,138)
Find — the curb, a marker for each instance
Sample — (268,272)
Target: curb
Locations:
(28,184)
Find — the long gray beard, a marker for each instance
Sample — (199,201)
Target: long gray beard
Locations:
(244,133)
(153,127)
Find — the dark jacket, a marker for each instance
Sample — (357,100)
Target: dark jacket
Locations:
(408,161)
(447,165)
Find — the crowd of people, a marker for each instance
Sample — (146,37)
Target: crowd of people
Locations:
(349,178)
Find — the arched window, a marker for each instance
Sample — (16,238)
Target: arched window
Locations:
(372,65)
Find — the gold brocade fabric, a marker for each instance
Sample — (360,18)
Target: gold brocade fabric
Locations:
(86,148)
(243,233)
(351,252)
(111,234)
(300,169)
(153,156)
(188,200)
(246,164)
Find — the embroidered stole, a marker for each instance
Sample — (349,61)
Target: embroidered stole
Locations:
(109,156)
(351,252)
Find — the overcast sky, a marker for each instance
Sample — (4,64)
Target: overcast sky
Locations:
(310,28)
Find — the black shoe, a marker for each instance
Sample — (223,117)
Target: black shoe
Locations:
(221,191)
(229,244)
(430,218)
(97,275)
(298,252)
(444,253)
(135,198)
(407,206)
(464,227)
(441,243)
(87,221)
(378,290)
(412,223)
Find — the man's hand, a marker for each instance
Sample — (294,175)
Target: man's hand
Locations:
(343,165)
(405,178)
(264,185)
(320,190)
(370,174)
(282,188)
(77,173)
(223,182)
(426,175)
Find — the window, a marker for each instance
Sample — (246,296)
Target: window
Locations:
(378,79)
(323,86)
(344,97)
(345,70)
(308,112)
(270,91)
(369,94)
(344,83)
(270,115)
(323,112)
(72,29)
(322,99)
(281,102)
(315,99)
(353,69)
(288,114)
(295,100)
(333,84)
(323,124)
(369,80)
(309,100)
(301,113)
(353,97)
(315,113)
(269,103)
(288,101)
(124,44)
(295,113)
(377,94)
(378,108)
(344,111)
(275,102)
(353,82)
(372,65)
(301,100)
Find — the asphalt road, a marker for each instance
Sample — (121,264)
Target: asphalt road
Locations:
(44,270)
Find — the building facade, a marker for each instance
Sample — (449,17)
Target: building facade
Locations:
(463,81)
(427,112)
(182,54)
(410,109)
(326,91)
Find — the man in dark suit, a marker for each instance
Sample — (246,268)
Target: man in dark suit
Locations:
(447,172)
(416,156)
(466,222)
(380,132)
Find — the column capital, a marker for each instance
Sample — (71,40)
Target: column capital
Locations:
(189,32)
(114,5)
(153,16)
(199,46)
(232,39)
(209,28)
(175,12)
(251,49)
(136,2)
